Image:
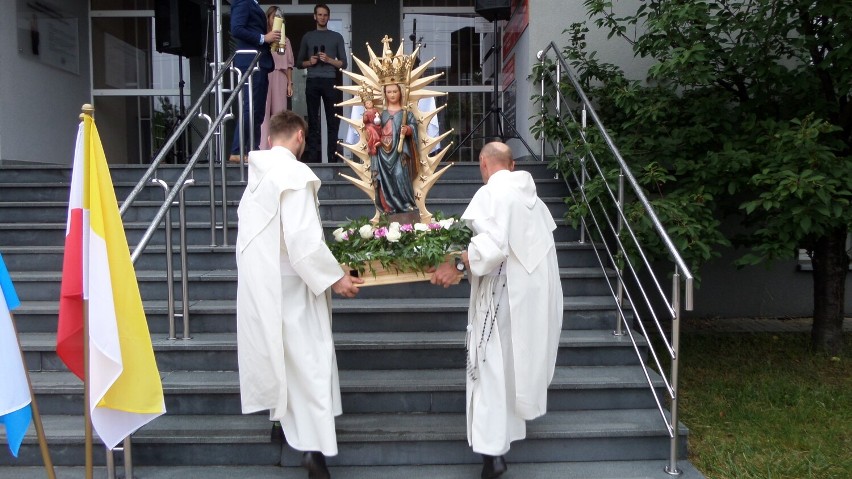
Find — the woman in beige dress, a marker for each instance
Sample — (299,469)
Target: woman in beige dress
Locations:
(280,82)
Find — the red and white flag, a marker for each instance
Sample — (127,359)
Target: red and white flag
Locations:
(125,387)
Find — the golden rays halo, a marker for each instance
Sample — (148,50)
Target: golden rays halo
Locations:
(368,85)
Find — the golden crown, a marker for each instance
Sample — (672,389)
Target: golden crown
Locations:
(366,94)
(392,68)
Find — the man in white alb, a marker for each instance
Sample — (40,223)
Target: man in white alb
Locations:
(285,273)
(516,305)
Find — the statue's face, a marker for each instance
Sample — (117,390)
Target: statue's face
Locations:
(392,93)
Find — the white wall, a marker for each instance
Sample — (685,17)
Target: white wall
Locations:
(41,103)
(547,20)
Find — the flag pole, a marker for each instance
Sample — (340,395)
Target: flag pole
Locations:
(87,414)
(42,440)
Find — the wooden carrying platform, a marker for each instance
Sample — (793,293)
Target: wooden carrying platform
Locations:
(376,275)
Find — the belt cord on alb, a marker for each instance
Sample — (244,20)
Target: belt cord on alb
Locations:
(488,323)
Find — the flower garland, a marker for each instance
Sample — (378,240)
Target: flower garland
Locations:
(398,247)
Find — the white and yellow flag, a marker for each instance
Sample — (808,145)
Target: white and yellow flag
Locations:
(125,387)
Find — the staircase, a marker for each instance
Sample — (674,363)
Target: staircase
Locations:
(399,348)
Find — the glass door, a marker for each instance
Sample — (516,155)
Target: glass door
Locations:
(134,88)
(453,35)
(299,19)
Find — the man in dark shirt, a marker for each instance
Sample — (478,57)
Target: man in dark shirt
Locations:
(322,52)
(248,28)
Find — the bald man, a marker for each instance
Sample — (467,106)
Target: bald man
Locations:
(515,313)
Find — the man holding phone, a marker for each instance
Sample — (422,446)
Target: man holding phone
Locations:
(322,53)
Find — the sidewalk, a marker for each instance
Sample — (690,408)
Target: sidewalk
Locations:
(752,325)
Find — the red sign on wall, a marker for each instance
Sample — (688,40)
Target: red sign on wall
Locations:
(508,72)
(516,26)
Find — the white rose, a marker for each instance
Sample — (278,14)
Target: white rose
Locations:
(421,227)
(446,223)
(393,235)
(366,231)
(393,226)
(338,235)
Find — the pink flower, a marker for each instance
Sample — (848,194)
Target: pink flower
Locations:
(434,226)
(381,232)
(407,228)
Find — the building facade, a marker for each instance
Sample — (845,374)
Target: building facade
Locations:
(60,54)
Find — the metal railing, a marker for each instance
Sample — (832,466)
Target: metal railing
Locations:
(215,130)
(599,200)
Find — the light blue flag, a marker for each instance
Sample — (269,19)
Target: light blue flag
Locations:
(15,410)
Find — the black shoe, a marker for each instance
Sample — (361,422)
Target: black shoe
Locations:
(493,466)
(276,435)
(314,462)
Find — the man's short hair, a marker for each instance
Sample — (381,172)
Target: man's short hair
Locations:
(497,151)
(286,124)
(322,5)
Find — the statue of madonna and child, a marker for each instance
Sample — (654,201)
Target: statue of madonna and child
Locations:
(392,159)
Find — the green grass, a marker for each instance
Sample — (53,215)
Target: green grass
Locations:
(762,406)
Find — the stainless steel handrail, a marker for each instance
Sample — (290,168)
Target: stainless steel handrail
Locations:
(630,290)
(179,130)
(184,269)
(190,165)
(170,270)
(177,190)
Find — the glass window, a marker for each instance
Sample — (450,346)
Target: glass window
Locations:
(121,51)
(438,3)
(122,4)
(136,88)
(452,39)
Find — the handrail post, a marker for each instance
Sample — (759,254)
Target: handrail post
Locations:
(224,187)
(211,172)
(240,114)
(110,464)
(170,273)
(672,468)
(224,165)
(184,269)
(250,122)
(250,83)
(128,458)
(558,105)
(541,57)
(619,331)
(583,172)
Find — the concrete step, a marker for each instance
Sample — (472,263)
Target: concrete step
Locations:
(369,439)
(58,192)
(169,173)
(49,258)
(222,284)
(349,315)
(372,391)
(652,469)
(419,350)
(43,233)
(331,189)
(199,210)
(53,233)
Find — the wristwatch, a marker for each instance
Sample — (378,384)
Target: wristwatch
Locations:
(459,264)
